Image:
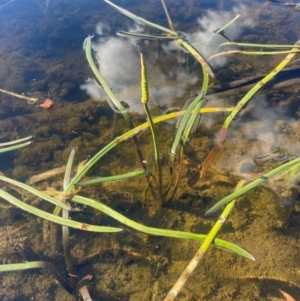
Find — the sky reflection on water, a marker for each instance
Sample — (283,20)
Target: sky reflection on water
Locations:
(39,36)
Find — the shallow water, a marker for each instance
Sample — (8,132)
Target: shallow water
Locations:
(41,56)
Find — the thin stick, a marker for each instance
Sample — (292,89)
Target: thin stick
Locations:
(30,100)
(167,15)
(45,175)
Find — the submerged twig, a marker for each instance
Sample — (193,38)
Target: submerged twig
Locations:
(167,15)
(45,175)
(30,100)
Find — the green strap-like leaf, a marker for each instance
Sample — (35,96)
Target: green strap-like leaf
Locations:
(102,81)
(253,184)
(15,141)
(38,265)
(139,19)
(53,218)
(67,177)
(112,178)
(183,123)
(128,135)
(182,41)
(10,148)
(36,192)
(139,35)
(274,46)
(156,231)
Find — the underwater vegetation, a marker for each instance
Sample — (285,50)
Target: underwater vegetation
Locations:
(74,205)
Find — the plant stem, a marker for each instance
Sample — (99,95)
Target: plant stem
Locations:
(145,99)
(202,250)
(38,265)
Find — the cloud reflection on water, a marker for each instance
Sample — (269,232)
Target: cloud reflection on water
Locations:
(119,61)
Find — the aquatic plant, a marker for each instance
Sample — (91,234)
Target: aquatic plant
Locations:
(163,188)
(71,193)
(12,145)
(59,201)
(188,121)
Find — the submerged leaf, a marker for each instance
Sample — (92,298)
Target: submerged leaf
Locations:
(67,176)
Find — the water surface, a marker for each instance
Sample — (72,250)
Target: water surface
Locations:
(41,55)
